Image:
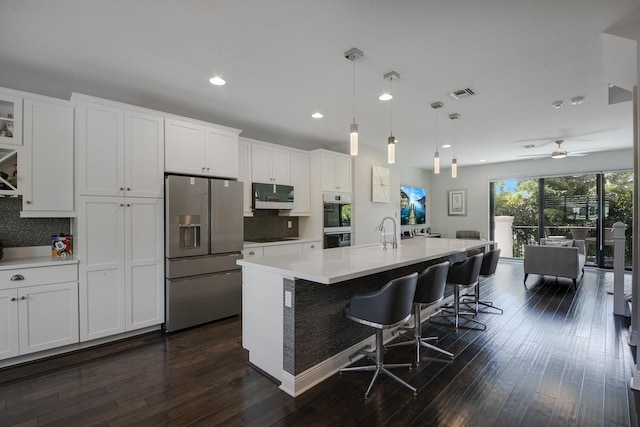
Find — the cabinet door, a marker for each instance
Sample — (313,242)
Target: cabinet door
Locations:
(328,173)
(144,268)
(144,154)
(99,149)
(281,166)
(47,161)
(10,119)
(101,255)
(184,147)
(343,174)
(261,164)
(8,324)
(221,152)
(244,176)
(48,316)
(300,179)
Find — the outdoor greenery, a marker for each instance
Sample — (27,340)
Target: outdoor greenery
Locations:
(568,202)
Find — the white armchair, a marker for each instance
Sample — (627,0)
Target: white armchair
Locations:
(551,260)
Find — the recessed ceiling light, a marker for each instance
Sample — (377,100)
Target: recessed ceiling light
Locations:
(446,146)
(482,160)
(557,104)
(217,81)
(385,97)
(317,115)
(577,100)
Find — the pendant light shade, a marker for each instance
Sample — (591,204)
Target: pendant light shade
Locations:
(391,141)
(436,156)
(353,140)
(353,55)
(454,161)
(391,150)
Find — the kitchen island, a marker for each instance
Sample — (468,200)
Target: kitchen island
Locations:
(292,305)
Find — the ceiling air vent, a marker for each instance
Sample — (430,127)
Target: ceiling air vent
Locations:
(462,93)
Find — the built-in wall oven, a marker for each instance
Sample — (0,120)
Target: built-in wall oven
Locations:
(337,219)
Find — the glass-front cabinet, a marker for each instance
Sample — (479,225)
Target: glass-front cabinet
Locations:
(10,119)
(8,171)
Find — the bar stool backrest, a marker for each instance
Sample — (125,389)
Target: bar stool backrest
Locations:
(431,283)
(387,306)
(490,263)
(465,273)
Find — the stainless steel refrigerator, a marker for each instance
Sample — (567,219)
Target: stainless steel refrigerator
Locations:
(204,236)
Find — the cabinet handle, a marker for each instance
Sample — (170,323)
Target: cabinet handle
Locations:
(23,297)
(207,169)
(17,277)
(251,253)
(28,202)
(121,188)
(128,189)
(313,246)
(14,299)
(121,204)
(203,169)
(128,205)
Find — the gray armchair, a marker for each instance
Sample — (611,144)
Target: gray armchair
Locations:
(559,261)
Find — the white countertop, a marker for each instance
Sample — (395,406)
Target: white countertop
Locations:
(284,241)
(339,264)
(41,261)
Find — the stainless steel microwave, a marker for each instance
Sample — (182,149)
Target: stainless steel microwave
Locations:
(272,196)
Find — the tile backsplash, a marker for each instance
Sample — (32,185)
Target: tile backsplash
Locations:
(267,224)
(19,232)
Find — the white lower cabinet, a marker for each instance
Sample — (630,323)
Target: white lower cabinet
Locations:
(39,317)
(290,248)
(121,270)
(281,249)
(312,246)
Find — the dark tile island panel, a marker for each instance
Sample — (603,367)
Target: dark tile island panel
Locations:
(315,327)
(19,232)
(267,224)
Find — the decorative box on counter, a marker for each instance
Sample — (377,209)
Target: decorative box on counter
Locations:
(62,246)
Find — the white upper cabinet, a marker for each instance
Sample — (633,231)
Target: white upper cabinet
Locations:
(119,152)
(300,179)
(244,176)
(144,154)
(270,164)
(198,149)
(336,172)
(46,166)
(10,118)
(100,149)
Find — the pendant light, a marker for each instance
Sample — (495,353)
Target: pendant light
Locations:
(454,161)
(391,141)
(436,156)
(353,55)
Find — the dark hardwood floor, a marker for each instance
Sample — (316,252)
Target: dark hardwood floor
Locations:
(556,357)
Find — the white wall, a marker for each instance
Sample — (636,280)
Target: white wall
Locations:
(475,179)
(367,214)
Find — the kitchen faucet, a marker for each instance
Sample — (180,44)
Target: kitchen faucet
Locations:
(394,241)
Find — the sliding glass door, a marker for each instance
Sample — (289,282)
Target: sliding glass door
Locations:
(580,207)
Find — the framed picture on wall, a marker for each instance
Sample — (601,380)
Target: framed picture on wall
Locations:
(457,202)
(413,203)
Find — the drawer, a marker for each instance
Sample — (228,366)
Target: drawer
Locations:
(38,276)
(311,246)
(256,252)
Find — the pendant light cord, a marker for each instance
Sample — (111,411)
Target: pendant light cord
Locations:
(437,112)
(354,91)
(391,103)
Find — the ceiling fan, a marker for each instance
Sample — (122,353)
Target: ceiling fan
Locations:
(558,153)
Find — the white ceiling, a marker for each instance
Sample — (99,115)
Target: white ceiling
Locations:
(284,59)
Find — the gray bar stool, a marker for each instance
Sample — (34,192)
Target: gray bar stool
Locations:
(430,290)
(487,269)
(386,308)
(462,275)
